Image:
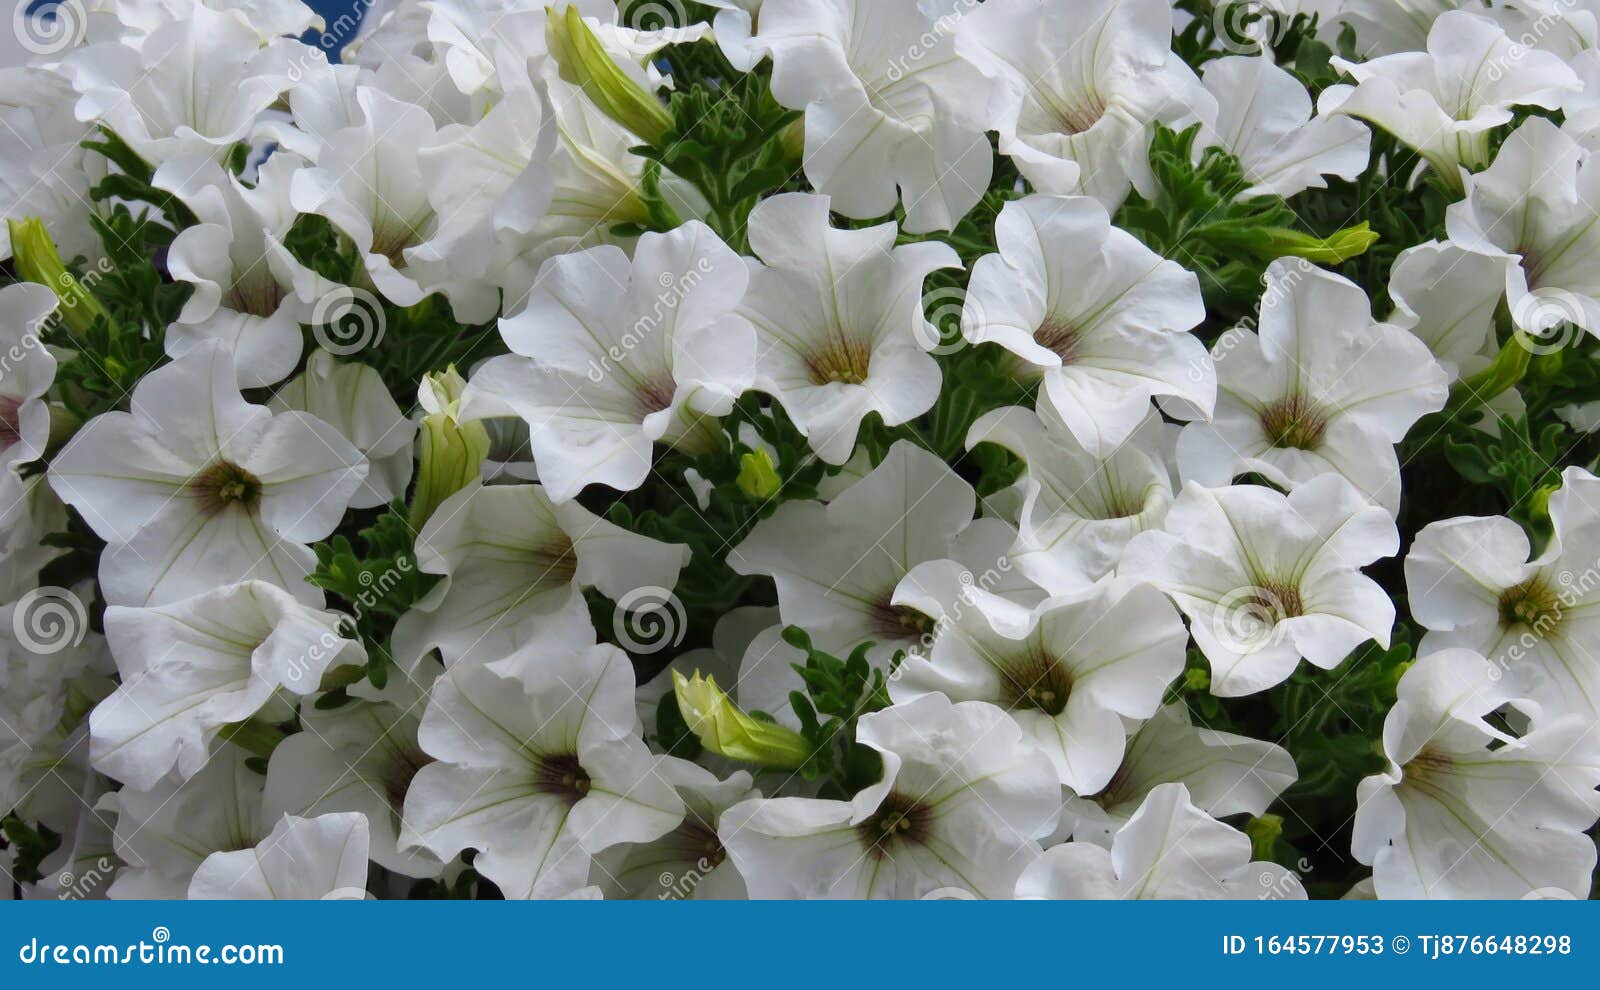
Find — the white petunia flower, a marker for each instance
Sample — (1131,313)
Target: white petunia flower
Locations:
(839,321)
(612,356)
(28,371)
(351,397)
(245,281)
(843,568)
(1267,579)
(165,832)
(369,183)
(962,799)
(1447,296)
(1225,774)
(192,667)
(540,766)
(1445,102)
(359,757)
(1471,584)
(1100,316)
(1067,675)
(193,86)
(887,104)
(1536,208)
(1321,388)
(509,557)
(1387,27)
(1079,511)
(688,863)
(1465,810)
(197,487)
(1265,119)
(1168,850)
(1080,86)
(301,859)
(44,170)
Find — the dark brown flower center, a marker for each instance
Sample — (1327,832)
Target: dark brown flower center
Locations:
(1294,421)
(223,485)
(1060,337)
(10,421)
(893,622)
(899,820)
(1533,604)
(1275,601)
(1036,680)
(843,358)
(561,776)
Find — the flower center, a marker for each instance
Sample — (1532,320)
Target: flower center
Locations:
(843,359)
(1427,766)
(1036,680)
(1060,337)
(1079,115)
(223,485)
(898,820)
(1294,421)
(560,775)
(698,838)
(10,421)
(895,622)
(1532,604)
(404,770)
(1274,601)
(654,396)
(554,563)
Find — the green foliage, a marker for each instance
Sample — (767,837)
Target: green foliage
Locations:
(374,578)
(838,692)
(727,138)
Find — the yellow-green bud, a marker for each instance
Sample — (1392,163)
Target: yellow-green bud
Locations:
(585,63)
(757,477)
(1271,243)
(726,730)
(36,259)
(451,452)
(1263,831)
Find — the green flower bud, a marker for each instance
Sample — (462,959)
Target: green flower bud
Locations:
(36,259)
(1264,833)
(757,477)
(451,452)
(585,63)
(1271,243)
(726,730)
